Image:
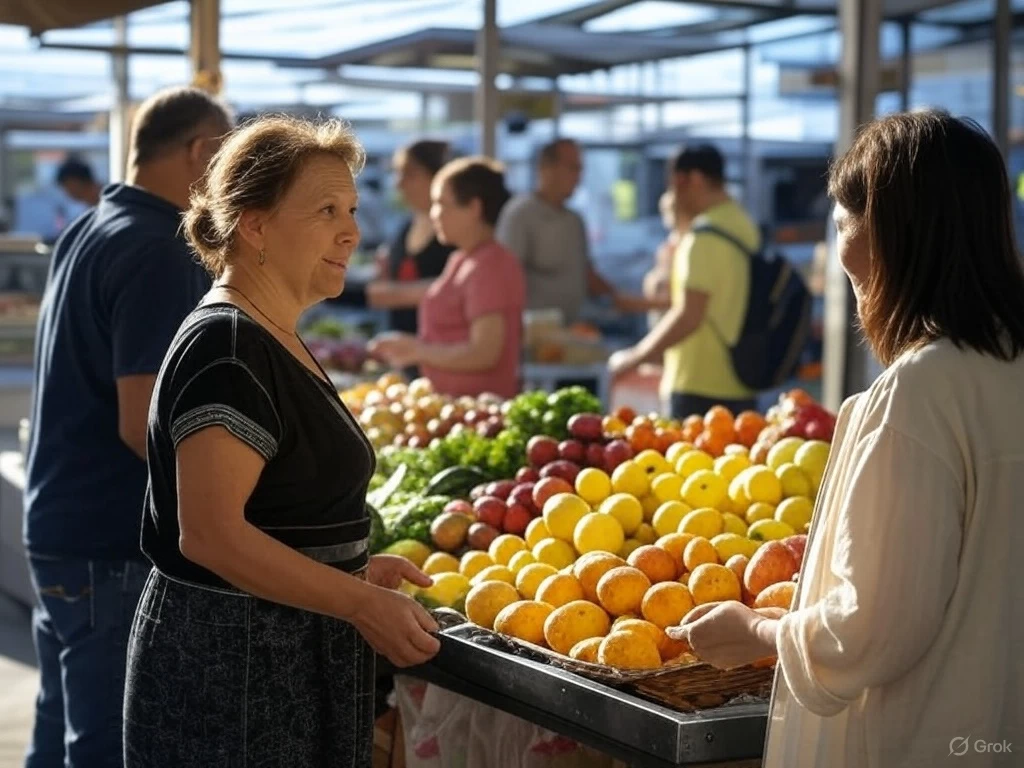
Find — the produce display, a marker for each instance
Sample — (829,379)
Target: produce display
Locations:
(589,534)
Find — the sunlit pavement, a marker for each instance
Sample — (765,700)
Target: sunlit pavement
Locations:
(19,681)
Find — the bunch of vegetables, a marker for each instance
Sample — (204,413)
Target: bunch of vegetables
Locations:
(537,413)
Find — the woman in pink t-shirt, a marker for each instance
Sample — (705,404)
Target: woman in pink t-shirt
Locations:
(470,322)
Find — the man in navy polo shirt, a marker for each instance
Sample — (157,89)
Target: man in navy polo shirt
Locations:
(121,281)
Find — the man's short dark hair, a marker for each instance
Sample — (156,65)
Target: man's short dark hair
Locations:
(171,118)
(74,169)
(549,153)
(704,158)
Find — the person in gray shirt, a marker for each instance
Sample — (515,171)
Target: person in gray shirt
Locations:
(550,239)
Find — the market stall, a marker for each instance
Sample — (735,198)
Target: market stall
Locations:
(563,540)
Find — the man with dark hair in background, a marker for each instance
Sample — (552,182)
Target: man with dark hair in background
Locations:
(709,290)
(550,239)
(121,281)
(76,178)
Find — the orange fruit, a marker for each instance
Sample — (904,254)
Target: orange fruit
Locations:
(666,438)
(666,604)
(748,427)
(718,419)
(586,650)
(675,545)
(713,443)
(692,427)
(622,590)
(738,565)
(656,563)
(558,590)
(574,622)
(698,552)
(673,649)
(641,437)
(643,629)
(589,569)
(625,414)
(777,595)
(629,650)
(798,397)
(710,583)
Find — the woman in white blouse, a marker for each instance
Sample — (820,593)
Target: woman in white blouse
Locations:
(905,645)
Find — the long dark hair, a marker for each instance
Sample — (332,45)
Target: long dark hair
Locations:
(430,155)
(933,194)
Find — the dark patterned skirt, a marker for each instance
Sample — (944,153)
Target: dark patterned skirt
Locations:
(218,678)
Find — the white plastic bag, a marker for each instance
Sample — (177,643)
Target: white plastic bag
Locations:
(445,730)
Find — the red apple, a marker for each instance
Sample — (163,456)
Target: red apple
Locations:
(572,450)
(527,475)
(460,507)
(586,427)
(481,535)
(517,519)
(490,510)
(772,563)
(595,455)
(541,451)
(548,487)
(566,470)
(479,491)
(819,430)
(500,488)
(797,545)
(615,453)
(522,495)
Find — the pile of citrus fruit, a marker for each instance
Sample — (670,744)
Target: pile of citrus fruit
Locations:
(607,567)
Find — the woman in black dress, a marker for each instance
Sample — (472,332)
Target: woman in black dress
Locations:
(253,643)
(416,256)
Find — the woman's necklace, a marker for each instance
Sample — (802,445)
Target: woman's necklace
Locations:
(255,306)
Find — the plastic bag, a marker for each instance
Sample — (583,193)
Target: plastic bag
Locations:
(446,730)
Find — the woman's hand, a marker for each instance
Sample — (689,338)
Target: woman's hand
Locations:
(398,349)
(396,626)
(389,571)
(727,634)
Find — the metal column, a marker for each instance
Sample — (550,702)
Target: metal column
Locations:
(487,45)
(745,119)
(849,367)
(120,109)
(1002,28)
(907,66)
(204,47)
(556,108)
(424,112)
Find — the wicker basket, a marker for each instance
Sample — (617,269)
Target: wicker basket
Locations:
(684,685)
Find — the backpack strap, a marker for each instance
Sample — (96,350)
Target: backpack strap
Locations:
(712,229)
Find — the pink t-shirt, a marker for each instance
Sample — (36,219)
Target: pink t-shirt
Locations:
(489,279)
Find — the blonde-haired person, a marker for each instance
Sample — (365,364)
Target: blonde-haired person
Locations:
(471,317)
(903,645)
(254,640)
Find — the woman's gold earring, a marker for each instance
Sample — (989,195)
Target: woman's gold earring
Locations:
(263,257)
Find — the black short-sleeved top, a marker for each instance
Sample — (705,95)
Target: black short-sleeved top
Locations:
(404,266)
(224,369)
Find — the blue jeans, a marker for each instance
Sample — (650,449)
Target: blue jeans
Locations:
(80,626)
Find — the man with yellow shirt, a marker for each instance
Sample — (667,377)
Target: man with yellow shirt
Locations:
(709,286)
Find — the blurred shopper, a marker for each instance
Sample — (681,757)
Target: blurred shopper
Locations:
(657,295)
(709,287)
(121,281)
(76,178)
(416,256)
(903,645)
(551,239)
(254,640)
(471,317)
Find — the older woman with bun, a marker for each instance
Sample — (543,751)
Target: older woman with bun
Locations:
(471,317)
(903,645)
(254,640)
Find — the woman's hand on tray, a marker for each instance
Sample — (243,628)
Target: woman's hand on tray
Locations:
(388,571)
(729,634)
(394,624)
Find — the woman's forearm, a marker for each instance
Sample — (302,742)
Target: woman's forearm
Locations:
(391,294)
(465,357)
(255,563)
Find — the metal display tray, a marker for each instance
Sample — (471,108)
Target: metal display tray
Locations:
(620,724)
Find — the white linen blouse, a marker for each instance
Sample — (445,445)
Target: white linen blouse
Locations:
(905,646)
